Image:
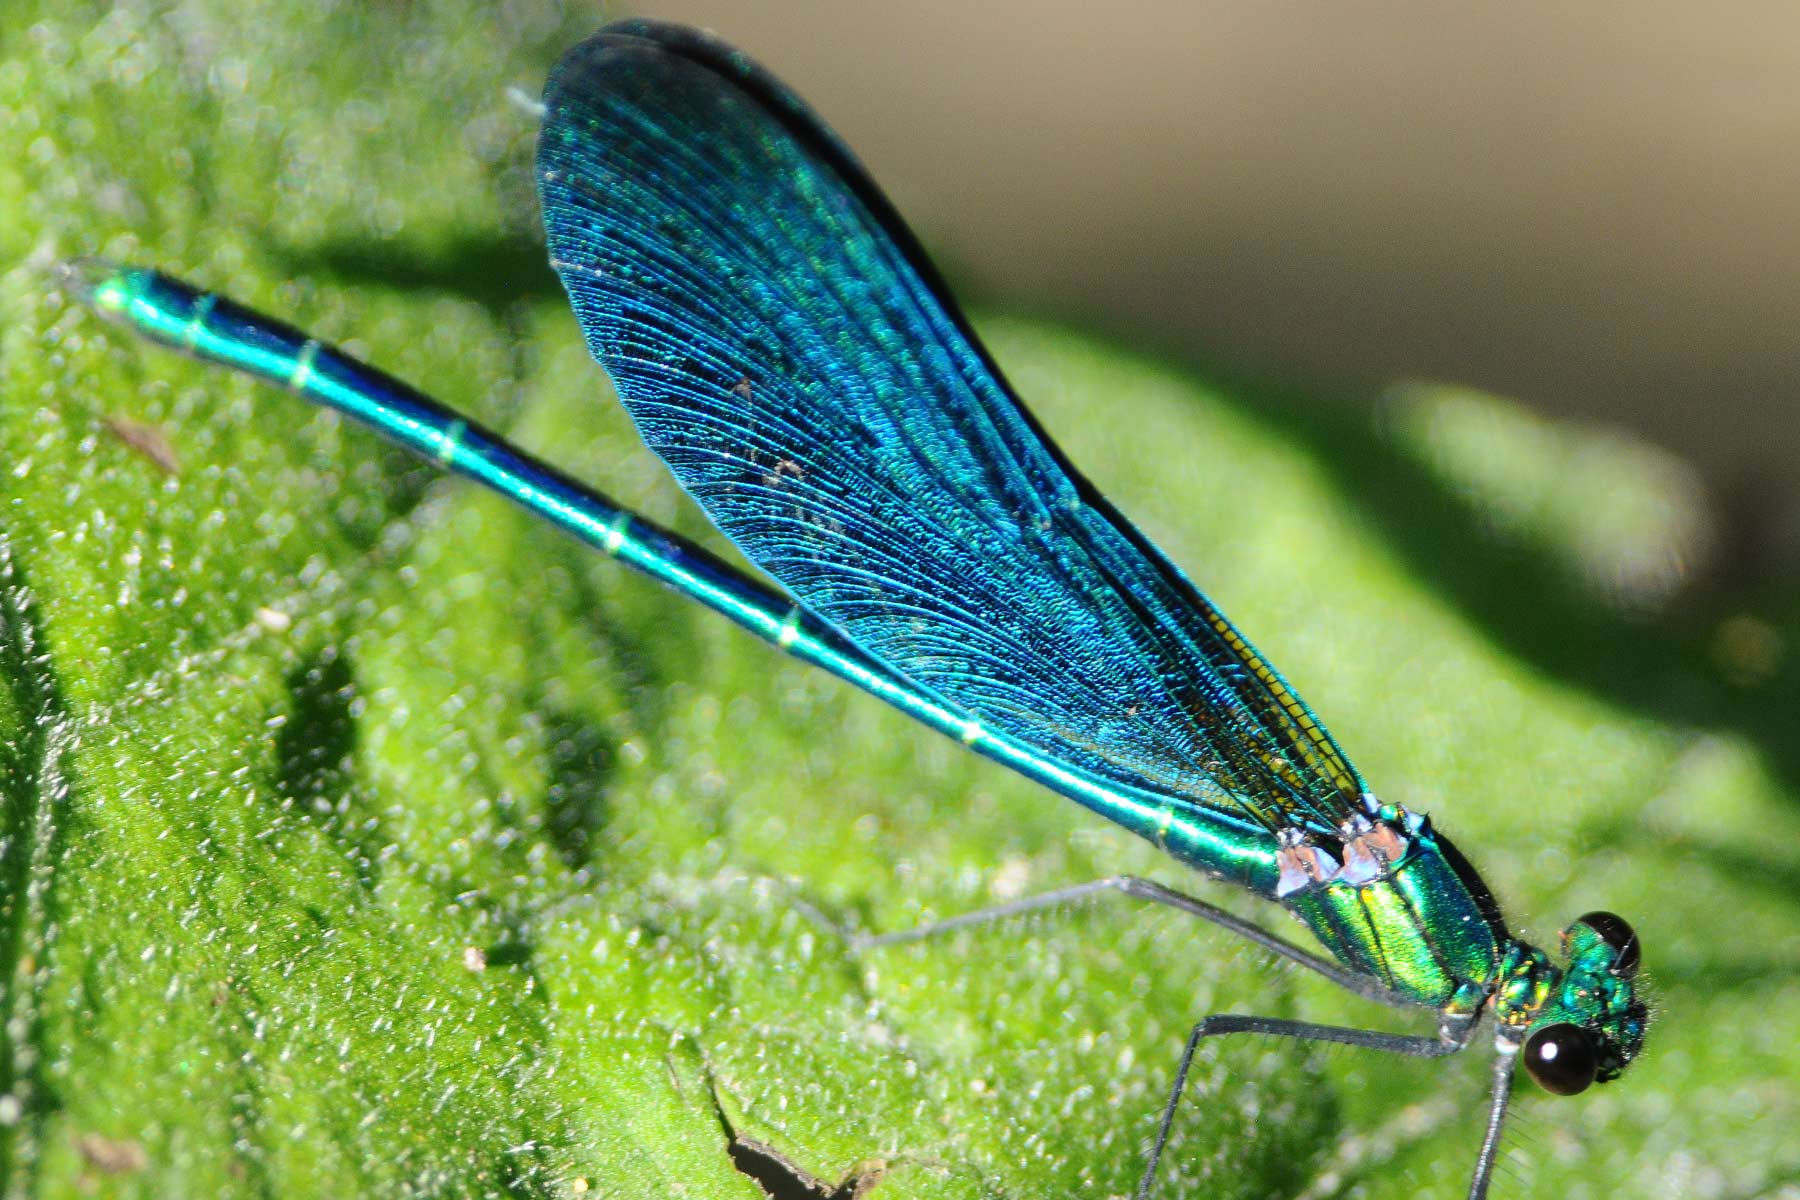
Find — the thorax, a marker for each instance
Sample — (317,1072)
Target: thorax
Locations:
(1393,899)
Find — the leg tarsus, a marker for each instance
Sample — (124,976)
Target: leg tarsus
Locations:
(1148,1179)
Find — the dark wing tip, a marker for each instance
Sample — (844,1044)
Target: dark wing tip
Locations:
(647,35)
(643,46)
(581,70)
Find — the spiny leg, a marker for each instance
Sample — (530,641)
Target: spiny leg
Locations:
(1143,889)
(1452,1038)
(1505,1051)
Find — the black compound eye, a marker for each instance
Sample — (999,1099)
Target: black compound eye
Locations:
(1616,932)
(1561,1059)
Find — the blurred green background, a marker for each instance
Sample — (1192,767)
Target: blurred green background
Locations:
(361,836)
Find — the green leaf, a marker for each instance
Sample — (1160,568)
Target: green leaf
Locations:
(361,836)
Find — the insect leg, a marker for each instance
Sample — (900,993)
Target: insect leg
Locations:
(1452,1039)
(1505,1050)
(1144,889)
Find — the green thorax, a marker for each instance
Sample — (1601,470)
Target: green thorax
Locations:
(1402,907)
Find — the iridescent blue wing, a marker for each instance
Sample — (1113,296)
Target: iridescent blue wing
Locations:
(784,345)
